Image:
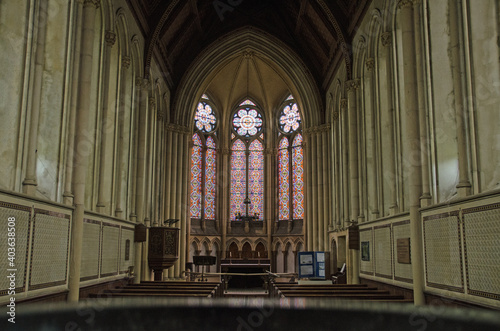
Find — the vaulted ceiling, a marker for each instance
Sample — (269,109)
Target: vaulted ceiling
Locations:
(319,31)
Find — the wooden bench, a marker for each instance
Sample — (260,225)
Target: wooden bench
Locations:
(169,289)
(339,291)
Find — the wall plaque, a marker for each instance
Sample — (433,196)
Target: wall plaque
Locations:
(365,251)
(403,248)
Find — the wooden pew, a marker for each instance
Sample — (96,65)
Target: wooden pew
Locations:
(167,289)
(339,291)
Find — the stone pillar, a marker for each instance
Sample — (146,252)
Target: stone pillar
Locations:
(81,148)
(224,195)
(122,145)
(335,173)
(344,121)
(107,123)
(171,137)
(184,219)
(352,86)
(319,191)
(455,20)
(314,202)
(328,187)
(308,202)
(425,198)
(412,137)
(68,189)
(373,194)
(270,185)
(30,181)
(390,173)
(140,176)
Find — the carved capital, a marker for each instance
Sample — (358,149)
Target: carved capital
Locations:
(95,3)
(343,105)
(271,151)
(370,64)
(110,38)
(152,102)
(352,85)
(138,82)
(386,38)
(126,60)
(145,84)
(178,129)
(405,4)
(336,114)
(160,115)
(225,151)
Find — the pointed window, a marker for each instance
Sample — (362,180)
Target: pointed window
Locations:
(290,162)
(203,163)
(247,162)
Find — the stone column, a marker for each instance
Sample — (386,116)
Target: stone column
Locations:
(184,219)
(107,125)
(344,121)
(314,200)
(455,20)
(168,174)
(81,147)
(336,174)
(326,185)
(181,172)
(225,188)
(373,194)
(122,146)
(173,187)
(425,199)
(30,181)
(352,86)
(135,146)
(169,183)
(319,190)
(412,137)
(308,202)
(68,189)
(270,184)
(149,174)
(390,172)
(140,176)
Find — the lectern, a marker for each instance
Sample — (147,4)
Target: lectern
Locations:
(163,249)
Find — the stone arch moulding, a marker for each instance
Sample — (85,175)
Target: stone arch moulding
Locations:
(200,73)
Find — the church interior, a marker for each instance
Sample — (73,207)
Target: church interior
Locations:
(234,136)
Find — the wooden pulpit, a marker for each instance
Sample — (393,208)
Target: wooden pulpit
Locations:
(163,249)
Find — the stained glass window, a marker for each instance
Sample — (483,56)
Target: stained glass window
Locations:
(238,178)
(196,172)
(204,96)
(203,163)
(256,179)
(247,102)
(210,174)
(298,178)
(247,122)
(247,162)
(290,163)
(284,181)
(289,120)
(204,118)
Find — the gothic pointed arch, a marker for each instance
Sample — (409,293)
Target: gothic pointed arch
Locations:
(283,59)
